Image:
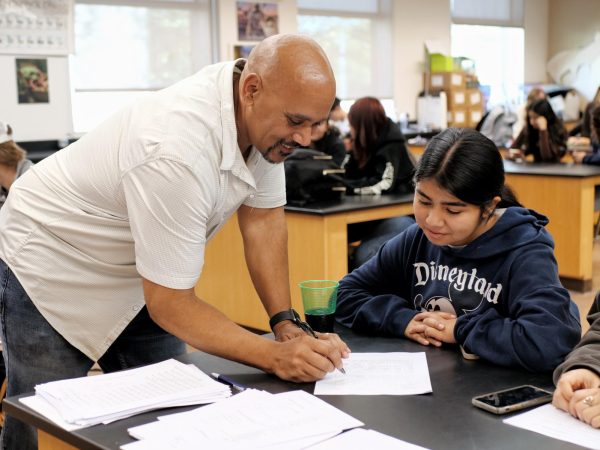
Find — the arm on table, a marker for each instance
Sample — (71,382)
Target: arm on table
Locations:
(202,326)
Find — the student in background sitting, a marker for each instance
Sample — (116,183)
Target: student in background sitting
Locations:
(536,93)
(327,139)
(379,164)
(544,137)
(578,378)
(338,118)
(593,140)
(379,161)
(476,270)
(13,161)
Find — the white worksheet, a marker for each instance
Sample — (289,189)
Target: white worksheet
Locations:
(557,424)
(396,373)
(360,439)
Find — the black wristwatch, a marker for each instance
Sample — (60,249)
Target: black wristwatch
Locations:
(292,315)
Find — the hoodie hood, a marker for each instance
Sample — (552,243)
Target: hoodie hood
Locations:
(516,228)
(390,134)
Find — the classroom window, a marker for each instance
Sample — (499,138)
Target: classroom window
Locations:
(499,57)
(356,36)
(125,50)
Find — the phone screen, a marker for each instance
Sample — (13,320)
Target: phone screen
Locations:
(512,396)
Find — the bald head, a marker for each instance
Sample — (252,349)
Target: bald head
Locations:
(289,60)
(286,89)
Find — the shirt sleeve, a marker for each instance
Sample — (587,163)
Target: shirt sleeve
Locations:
(587,353)
(371,298)
(270,186)
(168,209)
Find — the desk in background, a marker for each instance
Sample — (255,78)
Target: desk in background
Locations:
(318,249)
(444,419)
(564,193)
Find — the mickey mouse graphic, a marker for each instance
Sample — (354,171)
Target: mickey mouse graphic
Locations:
(457,302)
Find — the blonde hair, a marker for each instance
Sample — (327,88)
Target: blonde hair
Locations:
(11,154)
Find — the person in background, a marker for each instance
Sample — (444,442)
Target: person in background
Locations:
(583,157)
(577,379)
(99,261)
(583,129)
(477,269)
(536,93)
(339,118)
(544,137)
(13,161)
(379,163)
(326,139)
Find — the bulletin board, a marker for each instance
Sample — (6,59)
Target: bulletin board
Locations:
(36,27)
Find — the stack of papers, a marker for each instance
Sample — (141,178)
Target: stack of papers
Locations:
(87,401)
(249,420)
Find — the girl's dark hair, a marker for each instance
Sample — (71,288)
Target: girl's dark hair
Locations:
(595,123)
(368,119)
(556,130)
(468,165)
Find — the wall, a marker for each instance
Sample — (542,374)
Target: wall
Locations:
(414,23)
(39,121)
(572,24)
(550,26)
(535,18)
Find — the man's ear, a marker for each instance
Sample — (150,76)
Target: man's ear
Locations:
(251,87)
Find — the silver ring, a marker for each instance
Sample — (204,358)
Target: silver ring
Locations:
(589,400)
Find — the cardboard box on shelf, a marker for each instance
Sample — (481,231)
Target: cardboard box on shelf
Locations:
(444,81)
(474,116)
(457,98)
(471,81)
(474,98)
(458,118)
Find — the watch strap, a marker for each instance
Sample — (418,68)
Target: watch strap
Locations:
(292,315)
(288,314)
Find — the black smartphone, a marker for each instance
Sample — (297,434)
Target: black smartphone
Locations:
(513,399)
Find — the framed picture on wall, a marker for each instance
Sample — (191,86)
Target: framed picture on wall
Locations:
(32,80)
(242,51)
(257,21)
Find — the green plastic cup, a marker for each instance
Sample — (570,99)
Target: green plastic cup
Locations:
(319,298)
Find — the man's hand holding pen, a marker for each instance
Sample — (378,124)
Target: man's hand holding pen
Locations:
(304,358)
(305,354)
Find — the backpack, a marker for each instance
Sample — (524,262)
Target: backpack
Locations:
(311,176)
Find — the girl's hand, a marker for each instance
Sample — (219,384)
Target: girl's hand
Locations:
(431,328)
(541,123)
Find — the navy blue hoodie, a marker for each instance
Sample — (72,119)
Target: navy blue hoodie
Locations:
(503,287)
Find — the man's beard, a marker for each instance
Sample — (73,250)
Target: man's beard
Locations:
(288,150)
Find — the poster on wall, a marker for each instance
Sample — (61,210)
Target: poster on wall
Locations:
(242,51)
(36,27)
(257,21)
(32,80)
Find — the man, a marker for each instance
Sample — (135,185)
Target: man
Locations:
(103,242)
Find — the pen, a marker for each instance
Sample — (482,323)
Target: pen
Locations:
(308,330)
(229,381)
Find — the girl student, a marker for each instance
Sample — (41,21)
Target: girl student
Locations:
(477,269)
(544,136)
